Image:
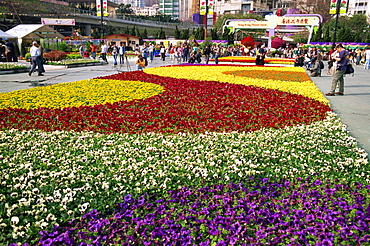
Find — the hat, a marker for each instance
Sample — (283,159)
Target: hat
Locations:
(339,46)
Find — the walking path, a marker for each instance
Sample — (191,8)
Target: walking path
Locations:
(353,108)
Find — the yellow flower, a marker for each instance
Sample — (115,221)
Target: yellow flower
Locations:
(79,93)
(217,73)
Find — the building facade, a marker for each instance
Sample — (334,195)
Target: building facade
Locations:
(359,7)
(170,7)
(146,11)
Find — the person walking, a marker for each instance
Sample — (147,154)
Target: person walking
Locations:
(35,54)
(367,58)
(40,60)
(340,66)
(104,50)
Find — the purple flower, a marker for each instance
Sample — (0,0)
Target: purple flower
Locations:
(128,199)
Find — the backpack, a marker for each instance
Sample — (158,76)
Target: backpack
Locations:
(350,69)
(321,64)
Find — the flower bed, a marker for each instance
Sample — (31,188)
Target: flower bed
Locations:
(245,59)
(173,147)
(5,66)
(71,61)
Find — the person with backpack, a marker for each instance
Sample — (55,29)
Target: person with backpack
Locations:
(340,67)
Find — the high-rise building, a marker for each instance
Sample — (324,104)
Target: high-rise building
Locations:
(170,7)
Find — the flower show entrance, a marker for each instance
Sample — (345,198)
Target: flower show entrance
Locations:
(291,23)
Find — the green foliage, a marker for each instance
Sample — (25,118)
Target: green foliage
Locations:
(214,34)
(350,29)
(301,37)
(23,50)
(185,34)
(198,33)
(144,34)
(63,46)
(161,34)
(73,56)
(124,9)
(177,33)
(222,18)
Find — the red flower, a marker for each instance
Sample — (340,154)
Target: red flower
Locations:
(186,106)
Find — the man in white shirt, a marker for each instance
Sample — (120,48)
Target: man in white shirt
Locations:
(35,54)
(367,57)
(104,50)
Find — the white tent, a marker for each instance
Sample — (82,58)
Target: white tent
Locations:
(34,31)
(31,32)
(5,35)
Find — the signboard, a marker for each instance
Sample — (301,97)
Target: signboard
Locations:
(343,7)
(64,22)
(250,24)
(99,6)
(298,21)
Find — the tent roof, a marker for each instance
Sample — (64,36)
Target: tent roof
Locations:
(34,31)
(5,35)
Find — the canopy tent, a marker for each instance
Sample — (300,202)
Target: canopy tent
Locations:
(34,31)
(29,32)
(5,35)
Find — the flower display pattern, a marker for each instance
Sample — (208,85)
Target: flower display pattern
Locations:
(300,180)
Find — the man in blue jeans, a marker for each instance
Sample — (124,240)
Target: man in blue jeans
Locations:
(340,63)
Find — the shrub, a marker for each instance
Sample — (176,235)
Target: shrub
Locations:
(55,55)
(73,56)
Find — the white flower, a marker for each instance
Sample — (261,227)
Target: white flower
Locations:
(14,220)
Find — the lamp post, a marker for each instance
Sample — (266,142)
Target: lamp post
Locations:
(336,23)
(101,19)
(206,21)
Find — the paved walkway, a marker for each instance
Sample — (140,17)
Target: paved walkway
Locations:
(353,108)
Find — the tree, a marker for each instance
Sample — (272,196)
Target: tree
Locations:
(162,34)
(144,35)
(349,29)
(220,22)
(214,34)
(318,35)
(133,31)
(137,33)
(177,33)
(301,37)
(125,9)
(185,34)
(320,7)
(127,30)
